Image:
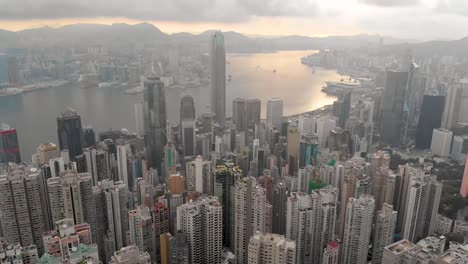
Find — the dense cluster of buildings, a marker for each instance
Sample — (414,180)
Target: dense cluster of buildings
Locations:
(314,188)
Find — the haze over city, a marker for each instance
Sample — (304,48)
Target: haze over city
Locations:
(234,132)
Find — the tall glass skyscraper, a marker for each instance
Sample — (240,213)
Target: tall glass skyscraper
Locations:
(69,132)
(218,77)
(187,120)
(154,121)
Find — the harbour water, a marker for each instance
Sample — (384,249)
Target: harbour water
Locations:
(262,75)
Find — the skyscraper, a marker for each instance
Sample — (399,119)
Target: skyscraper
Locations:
(187,121)
(441,142)
(279,198)
(155,121)
(9,146)
(245,113)
(311,222)
(69,132)
(218,77)
(331,253)
(199,176)
(430,118)
(249,215)
(22,220)
(456,106)
(202,222)
(359,215)
(383,232)
(226,176)
(391,111)
(141,230)
(271,249)
(160,214)
(111,224)
(422,202)
(275,113)
(70,196)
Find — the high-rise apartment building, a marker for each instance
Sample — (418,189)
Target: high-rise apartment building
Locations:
(226,176)
(69,132)
(271,249)
(331,253)
(441,142)
(160,214)
(311,222)
(383,232)
(9,146)
(275,113)
(199,176)
(141,231)
(70,196)
(279,198)
(154,121)
(218,77)
(22,219)
(249,215)
(201,221)
(422,205)
(46,152)
(359,216)
(111,223)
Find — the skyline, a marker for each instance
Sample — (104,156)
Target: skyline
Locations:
(436,19)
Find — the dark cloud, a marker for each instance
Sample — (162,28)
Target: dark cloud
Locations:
(172,10)
(390,2)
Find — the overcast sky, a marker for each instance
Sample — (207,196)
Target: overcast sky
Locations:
(417,19)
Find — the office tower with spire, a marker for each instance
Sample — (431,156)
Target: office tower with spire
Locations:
(201,221)
(22,219)
(9,146)
(271,249)
(359,216)
(218,77)
(187,122)
(111,227)
(69,132)
(275,113)
(226,176)
(383,232)
(391,110)
(154,121)
(422,205)
(249,215)
(141,230)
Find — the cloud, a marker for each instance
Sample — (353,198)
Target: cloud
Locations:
(170,10)
(458,7)
(390,2)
